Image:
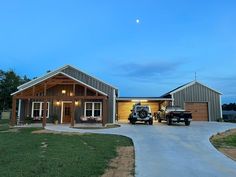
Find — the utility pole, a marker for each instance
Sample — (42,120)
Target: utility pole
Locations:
(195,76)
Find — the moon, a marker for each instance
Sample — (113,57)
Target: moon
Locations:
(137,21)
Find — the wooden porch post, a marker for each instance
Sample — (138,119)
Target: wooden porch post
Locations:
(72,122)
(44,106)
(44,113)
(13,116)
(104,111)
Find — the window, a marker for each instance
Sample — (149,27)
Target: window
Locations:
(93,109)
(37,110)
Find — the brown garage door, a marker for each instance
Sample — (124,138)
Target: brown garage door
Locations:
(199,111)
(124,108)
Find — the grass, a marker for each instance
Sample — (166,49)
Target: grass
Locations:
(229,141)
(4,124)
(224,141)
(23,154)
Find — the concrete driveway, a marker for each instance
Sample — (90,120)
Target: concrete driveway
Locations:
(169,151)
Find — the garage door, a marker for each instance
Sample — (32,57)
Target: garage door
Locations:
(124,108)
(199,111)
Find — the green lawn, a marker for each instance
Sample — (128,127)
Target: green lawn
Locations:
(225,141)
(39,155)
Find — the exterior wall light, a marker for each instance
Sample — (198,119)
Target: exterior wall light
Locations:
(71,94)
(78,103)
(63,91)
(58,103)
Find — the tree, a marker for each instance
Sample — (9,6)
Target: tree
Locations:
(9,81)
(229,107)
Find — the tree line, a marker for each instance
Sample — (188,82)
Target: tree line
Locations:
(229,107)
(9,81)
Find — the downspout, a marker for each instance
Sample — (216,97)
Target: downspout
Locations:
(114,106)
(221,114)
(172,98)
(19,111)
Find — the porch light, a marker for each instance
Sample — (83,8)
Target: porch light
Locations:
(71,94)
(63,91)
(58,103)
(78,103)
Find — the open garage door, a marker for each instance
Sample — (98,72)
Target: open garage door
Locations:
(199,110)
(124,108)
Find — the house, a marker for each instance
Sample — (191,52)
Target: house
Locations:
(68,94)
(73,96)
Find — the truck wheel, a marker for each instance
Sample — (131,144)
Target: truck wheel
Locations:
(151,122)
(169,121)
(187,123)
(132,121)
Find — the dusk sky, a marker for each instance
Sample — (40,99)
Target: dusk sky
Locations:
(173,40)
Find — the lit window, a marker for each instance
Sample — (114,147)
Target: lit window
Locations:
(37,110)
(93,109)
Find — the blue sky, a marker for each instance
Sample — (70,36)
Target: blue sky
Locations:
(173,40)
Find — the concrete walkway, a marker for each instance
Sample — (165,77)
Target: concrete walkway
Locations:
(173,151)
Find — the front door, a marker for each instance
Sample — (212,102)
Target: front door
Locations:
(66,112)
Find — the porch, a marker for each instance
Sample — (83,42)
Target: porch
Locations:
(60,98)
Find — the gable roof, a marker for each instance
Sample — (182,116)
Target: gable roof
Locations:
(188,85)
(55,72)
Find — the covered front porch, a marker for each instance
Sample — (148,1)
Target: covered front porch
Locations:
(60,99)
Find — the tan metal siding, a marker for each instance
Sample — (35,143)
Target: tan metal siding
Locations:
(199,93)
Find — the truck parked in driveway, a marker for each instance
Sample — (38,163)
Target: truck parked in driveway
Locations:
(174,114)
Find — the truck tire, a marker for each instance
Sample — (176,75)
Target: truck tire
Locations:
(187,123)
(151,122)
(143,113)
(132,121)
(169,121)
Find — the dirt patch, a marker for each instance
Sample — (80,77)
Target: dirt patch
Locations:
(229,151)
(12,130)
(44,131)
(123,164)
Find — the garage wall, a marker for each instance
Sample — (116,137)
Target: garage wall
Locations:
(199,93)
(124,107)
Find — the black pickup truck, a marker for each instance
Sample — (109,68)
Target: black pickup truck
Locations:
(174,114)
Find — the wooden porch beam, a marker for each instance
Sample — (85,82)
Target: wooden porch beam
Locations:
(73,89)
(44,113)
(45,89)
(13,116)
(104,112)
(72,122)
(85,91)
(60,97)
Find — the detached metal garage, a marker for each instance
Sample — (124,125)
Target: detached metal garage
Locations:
(202,101)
